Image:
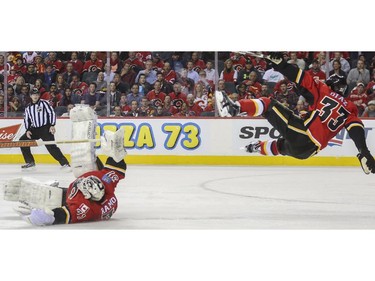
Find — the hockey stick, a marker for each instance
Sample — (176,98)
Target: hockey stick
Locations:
(253,54)
(30,143)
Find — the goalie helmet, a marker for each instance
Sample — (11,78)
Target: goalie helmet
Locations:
(338,84)
(94,186)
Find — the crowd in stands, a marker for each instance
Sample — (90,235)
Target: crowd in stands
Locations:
(175,84)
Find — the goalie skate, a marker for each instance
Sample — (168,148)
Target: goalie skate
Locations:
(225,106)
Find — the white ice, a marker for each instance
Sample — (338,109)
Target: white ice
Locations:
(223,197)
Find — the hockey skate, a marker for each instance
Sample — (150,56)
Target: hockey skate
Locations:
(225,106)
(253,147)
(28,167)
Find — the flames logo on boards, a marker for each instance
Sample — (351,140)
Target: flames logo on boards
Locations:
(8,133)
(156,102)
(177,103)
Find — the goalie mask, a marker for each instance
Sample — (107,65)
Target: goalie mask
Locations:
(91,187)
(338,84)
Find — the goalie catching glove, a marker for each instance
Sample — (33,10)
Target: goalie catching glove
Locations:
(367,162)
(112,144)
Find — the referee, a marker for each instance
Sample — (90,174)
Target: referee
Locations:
(40,120)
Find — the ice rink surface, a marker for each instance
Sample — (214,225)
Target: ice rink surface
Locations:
(221,197)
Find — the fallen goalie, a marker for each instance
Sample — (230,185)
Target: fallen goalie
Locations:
(90,197)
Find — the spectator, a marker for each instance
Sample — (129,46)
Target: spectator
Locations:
(117,112)
(145,109)
(30,75)
(370,109)
(370,88)
(165,86)
(243,93)
(134,110)
(20,67)
(134,62)
(53,61)
(177,93)
(238,61)
(316,72)
(40,67)
(160,111)
(177,62)
(2,105)
(127,74)
(253,86)
(15,107)
(211,73)
(187,84)
(68,74)
(191,73)
(169,73)
(39,85)
(345,66)
(272,76)
(144,86)
(198,64)
(93,64)
(61,85)
(336,69)
(49,76)
(229,74)
(244,73)
(134,94)
(122,87)
(148,72)
(76,63)
(286,96)
(157,62)
(359,97)
(91,98)
(169,107)
(193,109)
(115,62)
(28,57)
(101,84)
(360,73)
(296,61)
(77,85)
(156,96)
(53,96)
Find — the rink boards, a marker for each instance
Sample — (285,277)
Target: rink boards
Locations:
(211,141)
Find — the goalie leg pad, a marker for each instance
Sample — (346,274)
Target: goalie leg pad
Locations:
(83,157)
(33,192)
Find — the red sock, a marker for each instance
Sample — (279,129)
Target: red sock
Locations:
(254,107)
(269,148)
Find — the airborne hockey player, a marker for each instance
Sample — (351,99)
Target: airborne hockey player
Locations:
(301,138)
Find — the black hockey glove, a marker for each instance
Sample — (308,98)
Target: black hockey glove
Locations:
(367,162)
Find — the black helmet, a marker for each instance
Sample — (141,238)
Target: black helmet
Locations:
(337,84)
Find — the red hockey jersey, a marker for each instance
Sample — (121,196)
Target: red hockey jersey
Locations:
(330,112)
(83,210)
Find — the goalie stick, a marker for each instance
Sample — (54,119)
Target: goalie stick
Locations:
(262,56)
(30,143)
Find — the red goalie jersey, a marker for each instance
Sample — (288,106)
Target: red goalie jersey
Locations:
(78,209)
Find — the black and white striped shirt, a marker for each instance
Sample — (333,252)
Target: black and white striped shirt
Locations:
(39,114)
